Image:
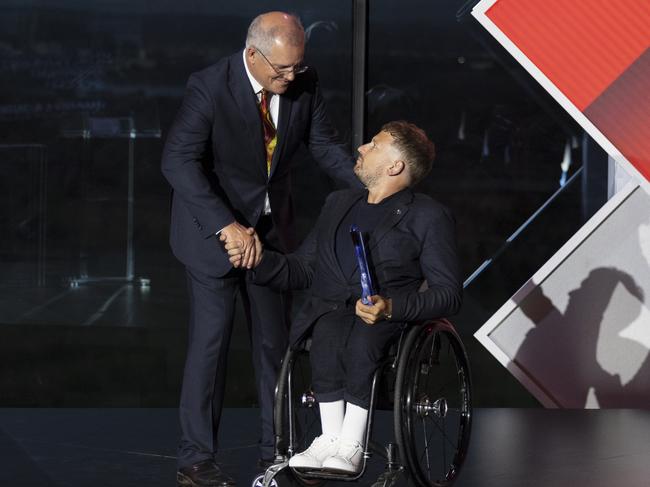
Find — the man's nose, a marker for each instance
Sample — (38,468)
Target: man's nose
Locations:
(290,76)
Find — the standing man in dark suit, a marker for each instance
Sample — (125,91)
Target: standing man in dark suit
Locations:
(411,240)
(227,158)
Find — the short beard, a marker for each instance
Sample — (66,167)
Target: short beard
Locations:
(368,180)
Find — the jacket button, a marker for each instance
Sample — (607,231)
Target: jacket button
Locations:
(335,306)
(398,211)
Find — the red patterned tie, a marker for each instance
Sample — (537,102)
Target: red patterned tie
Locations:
(270,134)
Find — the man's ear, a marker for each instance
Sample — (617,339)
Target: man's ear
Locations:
(397,168)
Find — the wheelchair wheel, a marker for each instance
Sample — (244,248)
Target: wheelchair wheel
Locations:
(296,416)
(433,404)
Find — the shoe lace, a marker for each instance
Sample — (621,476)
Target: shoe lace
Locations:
(320,443)
(347,449)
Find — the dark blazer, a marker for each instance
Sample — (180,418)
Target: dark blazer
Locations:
(215,161)
(414,242)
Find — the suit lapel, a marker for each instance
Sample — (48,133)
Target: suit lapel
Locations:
(394,214)
(339,210)
(398,208)
(242,92)
(283,124)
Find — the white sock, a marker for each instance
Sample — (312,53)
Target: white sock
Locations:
(331,417)
(354,423)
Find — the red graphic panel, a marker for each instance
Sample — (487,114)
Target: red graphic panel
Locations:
(622,114)
(581,46)
(596,53)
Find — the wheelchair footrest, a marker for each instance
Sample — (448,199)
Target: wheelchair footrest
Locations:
(326,475)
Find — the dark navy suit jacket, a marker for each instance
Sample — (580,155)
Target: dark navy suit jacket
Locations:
(414,243)
(215,161)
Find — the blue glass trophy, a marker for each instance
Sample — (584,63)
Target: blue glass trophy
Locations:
(362,260)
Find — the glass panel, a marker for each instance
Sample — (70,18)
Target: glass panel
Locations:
(504,146)
(88,93)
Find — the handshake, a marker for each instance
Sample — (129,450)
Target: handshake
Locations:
(245,250)
(242,244)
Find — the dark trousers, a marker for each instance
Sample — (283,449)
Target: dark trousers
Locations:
(212,307)
(345,353)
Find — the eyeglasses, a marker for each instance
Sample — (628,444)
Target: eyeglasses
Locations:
(297,69)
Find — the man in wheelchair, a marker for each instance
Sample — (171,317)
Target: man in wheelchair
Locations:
(410,239)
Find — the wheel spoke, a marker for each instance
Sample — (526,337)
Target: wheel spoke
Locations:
(433,345)
(435,372)
(444,435)
(427,441)
(438,390)
(444,448)
(426,447)
(425,456)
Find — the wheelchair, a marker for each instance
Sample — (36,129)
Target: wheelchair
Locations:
(425,380)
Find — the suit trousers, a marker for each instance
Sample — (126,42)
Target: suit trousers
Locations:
(212,308)
(345,353)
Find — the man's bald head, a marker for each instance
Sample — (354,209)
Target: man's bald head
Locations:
(272,28)
(275,48)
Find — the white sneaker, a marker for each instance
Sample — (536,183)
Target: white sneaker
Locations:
(323,446)
(347,458)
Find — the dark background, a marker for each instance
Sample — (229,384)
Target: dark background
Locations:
(84,83)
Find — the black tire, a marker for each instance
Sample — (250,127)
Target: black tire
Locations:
(433,412)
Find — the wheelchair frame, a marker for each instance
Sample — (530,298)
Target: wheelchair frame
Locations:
(419,350)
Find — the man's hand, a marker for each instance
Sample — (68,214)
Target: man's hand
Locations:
(236,251)
(240,244)
(259,251)
(380,310)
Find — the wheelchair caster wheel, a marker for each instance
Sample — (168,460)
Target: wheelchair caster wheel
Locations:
(275,476)
(259,482)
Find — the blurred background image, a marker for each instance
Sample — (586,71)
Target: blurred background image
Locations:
(93,307)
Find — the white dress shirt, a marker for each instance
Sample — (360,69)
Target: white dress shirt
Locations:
(274,107)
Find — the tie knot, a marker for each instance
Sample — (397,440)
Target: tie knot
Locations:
(264,99)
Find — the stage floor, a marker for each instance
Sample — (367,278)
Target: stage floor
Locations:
(136,447)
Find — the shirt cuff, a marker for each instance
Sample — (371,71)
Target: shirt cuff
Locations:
(219,231)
